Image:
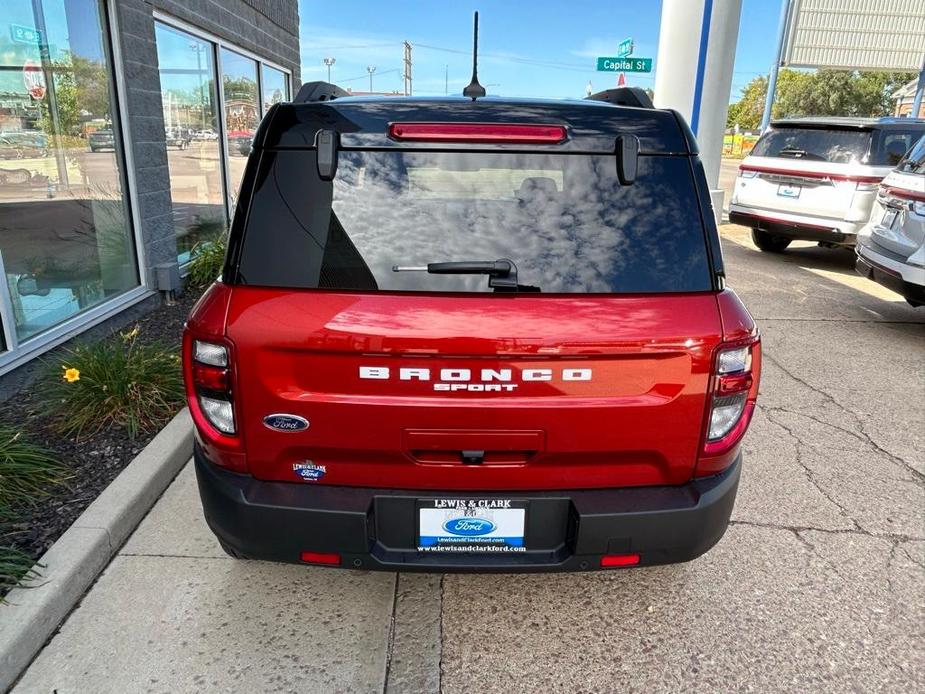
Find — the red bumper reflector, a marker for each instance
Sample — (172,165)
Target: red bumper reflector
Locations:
(321,558)
(610,561)
(478,132)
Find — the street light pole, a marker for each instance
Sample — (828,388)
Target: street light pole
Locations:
(329,62)
(370,69)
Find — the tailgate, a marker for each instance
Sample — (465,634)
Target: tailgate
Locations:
(473,392)
(804,188)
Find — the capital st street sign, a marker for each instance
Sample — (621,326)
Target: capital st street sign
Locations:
(617,64)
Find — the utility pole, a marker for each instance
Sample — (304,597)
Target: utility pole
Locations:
(329,62)
(370,69)
(407,74)
(446,80)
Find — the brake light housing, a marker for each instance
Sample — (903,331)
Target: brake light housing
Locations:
(209,373)
(479,133)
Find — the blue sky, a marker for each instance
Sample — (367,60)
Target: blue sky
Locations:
(541,48)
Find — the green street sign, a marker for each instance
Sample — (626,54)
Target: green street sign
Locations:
(625,48)
(24,34)
(615,64)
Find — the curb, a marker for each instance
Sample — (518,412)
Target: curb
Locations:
(33,613)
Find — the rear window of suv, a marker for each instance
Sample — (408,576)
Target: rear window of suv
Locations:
(565,221)
(877,147)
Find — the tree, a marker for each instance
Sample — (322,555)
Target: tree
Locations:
(820,93)
(81,87)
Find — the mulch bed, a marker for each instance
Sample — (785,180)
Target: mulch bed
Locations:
(93,461)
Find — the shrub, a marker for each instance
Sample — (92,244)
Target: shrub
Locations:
(26,470)
(208,255)
(114,383)
(15,567)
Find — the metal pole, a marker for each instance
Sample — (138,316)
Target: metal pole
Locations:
(772,76)
(917,100)
(48,71)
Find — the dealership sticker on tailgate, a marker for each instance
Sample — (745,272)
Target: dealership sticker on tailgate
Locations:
(471,525)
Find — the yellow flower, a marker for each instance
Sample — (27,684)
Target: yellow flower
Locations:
(131,334)
(71,374)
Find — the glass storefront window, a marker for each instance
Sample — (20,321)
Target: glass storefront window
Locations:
(65,231)
(192,132)
(242,112)
(275,86)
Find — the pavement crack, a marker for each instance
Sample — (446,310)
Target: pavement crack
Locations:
(809,473)
(391,641)
(859,433)
(440,664)
(889,537)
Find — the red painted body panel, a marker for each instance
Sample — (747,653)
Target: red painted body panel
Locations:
(637,421)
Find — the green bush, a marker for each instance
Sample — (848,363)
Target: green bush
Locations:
(26,473)
(207,257)
(114,383)
(26,470)
(15,567)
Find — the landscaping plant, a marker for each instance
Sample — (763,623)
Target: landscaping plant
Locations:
(26,473)
(114,383)
(208,255)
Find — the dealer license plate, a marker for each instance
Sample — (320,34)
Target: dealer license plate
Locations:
(471,525)
(786,191)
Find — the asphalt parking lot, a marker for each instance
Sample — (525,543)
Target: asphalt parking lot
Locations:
(819,584)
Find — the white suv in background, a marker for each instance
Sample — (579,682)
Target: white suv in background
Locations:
(891,248)
(815,179)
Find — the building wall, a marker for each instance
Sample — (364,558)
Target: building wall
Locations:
(269,28)
(82,192)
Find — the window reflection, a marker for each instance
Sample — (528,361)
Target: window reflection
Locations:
(242,112)
(188,92)
(64,228)
(275,85)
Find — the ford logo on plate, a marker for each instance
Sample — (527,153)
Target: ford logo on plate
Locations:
(469,527)
(285,422)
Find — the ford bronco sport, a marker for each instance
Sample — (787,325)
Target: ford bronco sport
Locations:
(480,334)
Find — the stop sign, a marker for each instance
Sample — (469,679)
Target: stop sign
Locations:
(34,78)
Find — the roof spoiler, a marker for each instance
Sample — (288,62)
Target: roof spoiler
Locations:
(318,91)
(623,96)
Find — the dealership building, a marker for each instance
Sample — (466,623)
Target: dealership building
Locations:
(124,129)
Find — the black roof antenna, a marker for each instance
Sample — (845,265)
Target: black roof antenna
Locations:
(474,89)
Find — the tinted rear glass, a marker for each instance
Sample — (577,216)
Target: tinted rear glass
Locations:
(891,145)
(814,144)
(563,219)
(914,161)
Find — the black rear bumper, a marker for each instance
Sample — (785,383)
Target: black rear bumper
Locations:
(377,528)
(792,230)
(913,293)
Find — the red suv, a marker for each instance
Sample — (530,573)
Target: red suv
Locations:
(471,335)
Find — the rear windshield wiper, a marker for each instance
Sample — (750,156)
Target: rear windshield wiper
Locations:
(502,273)
(799,154)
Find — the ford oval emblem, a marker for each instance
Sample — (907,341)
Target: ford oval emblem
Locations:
(469,527)
(285,422)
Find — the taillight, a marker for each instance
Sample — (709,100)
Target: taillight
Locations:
(732,401)
(212,383)
(484,133)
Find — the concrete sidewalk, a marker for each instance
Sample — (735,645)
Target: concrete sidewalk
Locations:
(173,613)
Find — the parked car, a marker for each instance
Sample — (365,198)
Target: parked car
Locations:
(815,179)
(101,139)
(178,137)
(891,248)
(23,144)
(205,134)
(460,334)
